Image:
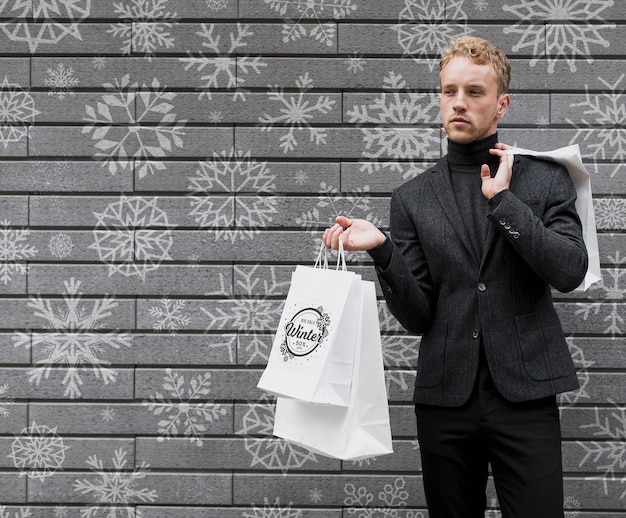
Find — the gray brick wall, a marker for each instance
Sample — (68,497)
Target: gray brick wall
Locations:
(156,193)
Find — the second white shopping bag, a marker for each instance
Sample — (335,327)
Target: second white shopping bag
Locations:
(313,350)
(363,429)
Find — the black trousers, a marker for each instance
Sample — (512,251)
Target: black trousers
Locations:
(521,442)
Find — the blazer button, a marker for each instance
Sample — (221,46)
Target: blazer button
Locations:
(475,333)
(481,286)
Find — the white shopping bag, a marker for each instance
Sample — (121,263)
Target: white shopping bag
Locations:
(570,158)
(312,354)
(362,429)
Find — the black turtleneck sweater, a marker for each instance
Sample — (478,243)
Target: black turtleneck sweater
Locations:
(465,161)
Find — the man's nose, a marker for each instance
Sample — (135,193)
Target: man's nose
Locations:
(459,103)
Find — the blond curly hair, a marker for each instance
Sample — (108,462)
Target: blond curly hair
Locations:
(481,52)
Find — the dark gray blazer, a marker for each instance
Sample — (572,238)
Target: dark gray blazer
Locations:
(437,286)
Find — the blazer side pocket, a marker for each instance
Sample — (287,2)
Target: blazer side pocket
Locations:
(432,353)
(544,352)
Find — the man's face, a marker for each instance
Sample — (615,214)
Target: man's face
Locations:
(469,101)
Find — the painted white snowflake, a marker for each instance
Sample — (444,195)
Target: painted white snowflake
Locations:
(425,26)
(574,30)
(145,26)
(14,251)
(572,507)
(221,69)
(316,496)
(259,314)
(181,411)
(124,240)
(74,338)
(17,112)
(249,204)
(61,245)
(610,213)
(601,135)
(296,112)
(116,488)
(577,353)
(400,356)
(361,502)
(266,450)
(273,510)
(217,5)
(355,63)
(118,129)
(614,294)
(60,511)
(608,453)
(38,452)
(24,512)
(169,316)
(399,128)
(317,10)
(54,20)
(5,400)
(99,62)
(215,116)
(61,81)
(107,414)
(481,5)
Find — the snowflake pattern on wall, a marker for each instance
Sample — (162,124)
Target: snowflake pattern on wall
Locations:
(38,452)
(577,352)
(24,512)
(119,130)
(332,203)
(54,20)
(169,316)
(249,205)
(273,510)
(181,412)
(74,338)
(266,450)
(601,133)
(61,245)
(361,501)
(400,357)
(14,251)
(61,81)
(123,238)
(145,26)
(613,293)
(567,30)
(223,69)
(425,26)
(114,491)
(5,400)
(17,112)
(608,455)
(295,112)
(397,127)
(316,11)
(610,213)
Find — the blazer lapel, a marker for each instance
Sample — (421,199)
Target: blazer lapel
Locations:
(442,187)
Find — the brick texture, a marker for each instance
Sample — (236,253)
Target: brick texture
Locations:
(164,165)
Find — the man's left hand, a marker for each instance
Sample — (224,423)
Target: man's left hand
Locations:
(502,179)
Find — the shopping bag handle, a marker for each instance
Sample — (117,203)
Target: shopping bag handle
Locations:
(322,258)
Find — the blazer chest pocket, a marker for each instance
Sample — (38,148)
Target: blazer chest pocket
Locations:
(431,359)
(544,351)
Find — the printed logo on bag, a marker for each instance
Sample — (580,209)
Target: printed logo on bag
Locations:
(304,332)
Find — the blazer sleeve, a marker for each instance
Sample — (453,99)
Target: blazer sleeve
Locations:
(403,272)
(544,228)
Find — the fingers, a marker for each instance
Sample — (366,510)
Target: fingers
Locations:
(485,173)
(332,235)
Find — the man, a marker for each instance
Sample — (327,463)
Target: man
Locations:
(475,244)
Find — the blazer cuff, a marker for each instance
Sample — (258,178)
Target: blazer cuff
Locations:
(381,254)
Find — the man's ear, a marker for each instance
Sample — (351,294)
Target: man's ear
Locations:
(503,104)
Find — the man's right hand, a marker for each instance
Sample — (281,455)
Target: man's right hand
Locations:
(356,234)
